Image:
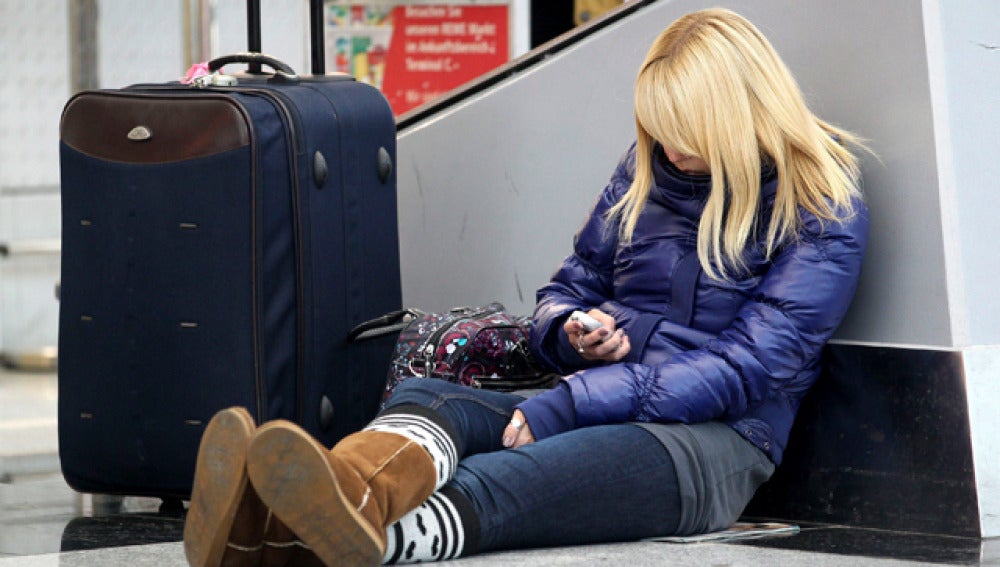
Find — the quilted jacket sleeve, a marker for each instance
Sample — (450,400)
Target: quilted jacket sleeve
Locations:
(583,281)
(777,334)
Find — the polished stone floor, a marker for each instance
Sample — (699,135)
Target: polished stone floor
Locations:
(43,522)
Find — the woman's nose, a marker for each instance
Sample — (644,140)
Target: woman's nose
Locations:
(673,155)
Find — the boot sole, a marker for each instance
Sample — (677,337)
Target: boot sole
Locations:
(219,482)
(291,474)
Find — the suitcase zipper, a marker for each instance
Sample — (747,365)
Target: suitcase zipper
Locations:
(294,122)
(255,284)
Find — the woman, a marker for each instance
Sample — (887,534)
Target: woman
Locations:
(719,260)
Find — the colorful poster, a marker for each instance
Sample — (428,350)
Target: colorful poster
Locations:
(416,52)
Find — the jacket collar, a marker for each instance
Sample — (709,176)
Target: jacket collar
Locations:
(687,193)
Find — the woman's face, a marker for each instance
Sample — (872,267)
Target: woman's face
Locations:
(687,164)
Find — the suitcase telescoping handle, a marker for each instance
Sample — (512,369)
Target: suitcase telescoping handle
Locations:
(317,42)
(317,37)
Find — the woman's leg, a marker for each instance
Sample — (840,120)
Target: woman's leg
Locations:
(590,485)
(474,418)
(445,524)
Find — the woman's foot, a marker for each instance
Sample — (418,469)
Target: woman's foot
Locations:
(293,475)
(225,518)
(339,501)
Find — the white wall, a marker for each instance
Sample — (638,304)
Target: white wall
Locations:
(36,81)
(963,46)
(140,42)
(33,40)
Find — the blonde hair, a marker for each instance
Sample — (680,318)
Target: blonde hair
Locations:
(713,87)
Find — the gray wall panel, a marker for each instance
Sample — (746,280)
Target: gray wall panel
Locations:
(492,191)
(865,69)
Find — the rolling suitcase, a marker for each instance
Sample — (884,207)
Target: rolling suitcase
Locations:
(218,244)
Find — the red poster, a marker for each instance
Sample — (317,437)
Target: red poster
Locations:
(435,48)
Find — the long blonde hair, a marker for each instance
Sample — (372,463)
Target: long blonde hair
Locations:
(713,87)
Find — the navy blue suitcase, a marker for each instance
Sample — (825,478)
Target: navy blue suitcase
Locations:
(218,244)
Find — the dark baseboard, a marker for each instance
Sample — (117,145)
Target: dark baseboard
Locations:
(881,441)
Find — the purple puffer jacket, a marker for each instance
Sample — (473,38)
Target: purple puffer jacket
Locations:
(752,348)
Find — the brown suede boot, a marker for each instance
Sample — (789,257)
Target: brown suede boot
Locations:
(227,524)
(339,502)
(283,548)
(225,521)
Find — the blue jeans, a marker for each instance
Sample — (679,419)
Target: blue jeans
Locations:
(591,485)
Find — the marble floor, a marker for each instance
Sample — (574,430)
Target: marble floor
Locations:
(43,522)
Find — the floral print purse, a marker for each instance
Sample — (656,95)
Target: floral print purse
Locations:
(480,347)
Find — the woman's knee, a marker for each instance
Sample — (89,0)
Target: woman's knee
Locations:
(419,391)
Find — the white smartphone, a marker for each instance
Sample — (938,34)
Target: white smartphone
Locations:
(588,322)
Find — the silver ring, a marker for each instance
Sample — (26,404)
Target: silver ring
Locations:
(516,423)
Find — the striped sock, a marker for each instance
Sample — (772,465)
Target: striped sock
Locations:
(428,433)
(434,531)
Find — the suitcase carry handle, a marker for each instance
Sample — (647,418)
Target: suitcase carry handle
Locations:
(253,59)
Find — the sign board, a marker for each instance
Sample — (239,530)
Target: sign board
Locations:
(416,52)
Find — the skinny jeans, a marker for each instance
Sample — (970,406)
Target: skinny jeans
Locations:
(604,483)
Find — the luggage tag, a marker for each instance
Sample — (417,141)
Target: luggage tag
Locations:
(199,76)
(215,79)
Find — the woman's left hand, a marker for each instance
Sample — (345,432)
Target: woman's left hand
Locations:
(517,432)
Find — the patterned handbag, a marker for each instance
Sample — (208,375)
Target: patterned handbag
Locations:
(481,347)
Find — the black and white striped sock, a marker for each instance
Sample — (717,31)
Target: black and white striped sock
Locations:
(428,433)
(434,531)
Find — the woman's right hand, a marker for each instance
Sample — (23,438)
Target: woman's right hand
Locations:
(606,343)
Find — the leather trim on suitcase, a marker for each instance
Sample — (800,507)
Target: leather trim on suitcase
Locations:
(152,129)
